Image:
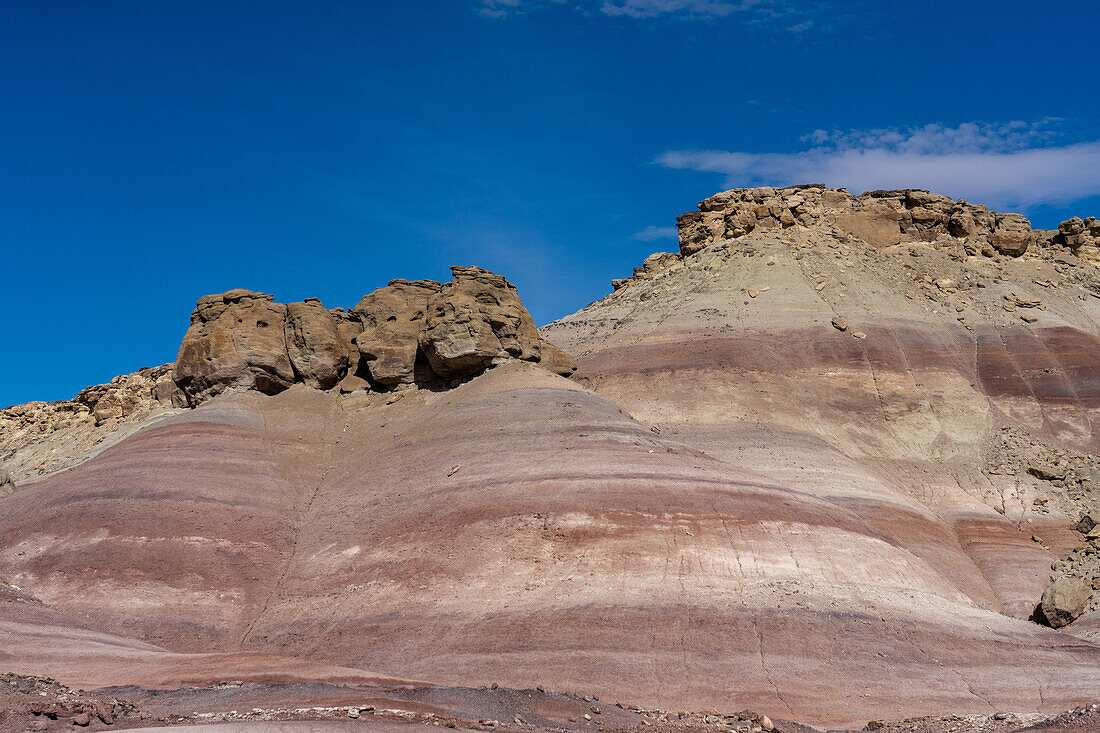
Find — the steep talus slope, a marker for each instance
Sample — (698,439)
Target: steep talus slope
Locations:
(521,529)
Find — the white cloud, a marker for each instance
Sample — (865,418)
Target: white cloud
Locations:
(652,233)
(1015,164)
(653,8)
(642,9)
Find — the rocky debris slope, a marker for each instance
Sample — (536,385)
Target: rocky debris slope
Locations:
(411,331)
(41,437)
(41,704)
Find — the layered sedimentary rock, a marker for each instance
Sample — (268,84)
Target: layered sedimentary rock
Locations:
(543,536)
(880,361)
(411,331)
(879,217)
(826,468)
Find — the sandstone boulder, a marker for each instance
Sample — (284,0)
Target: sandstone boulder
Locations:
(236,339)
(411,331)
(318,351)
(1086,523)
(1072,226)
(392,319)
(1011,234)
(1064,600)
(7,486)
(475,319)
(556,360)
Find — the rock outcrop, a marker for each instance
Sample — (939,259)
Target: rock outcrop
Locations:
(7,486)
(236,339)
(411,331)
(1082,236)
(392,318)
(476,319)
(879,217)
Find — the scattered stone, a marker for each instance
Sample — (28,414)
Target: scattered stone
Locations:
(1047,472)
(753,293)
(1028,318)
(839,323)
(1085,524)
(1064,600)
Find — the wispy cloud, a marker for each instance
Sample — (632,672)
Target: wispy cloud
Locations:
(651,233)
(499,8)
(793,13)
(1014,164)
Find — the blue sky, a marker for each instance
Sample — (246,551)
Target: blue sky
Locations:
(154,152)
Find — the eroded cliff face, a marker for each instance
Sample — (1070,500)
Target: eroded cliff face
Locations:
(411,332)
(878,217)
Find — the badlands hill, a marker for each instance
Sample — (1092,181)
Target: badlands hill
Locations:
(834,460)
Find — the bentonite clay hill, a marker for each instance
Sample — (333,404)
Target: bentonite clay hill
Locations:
(819,464)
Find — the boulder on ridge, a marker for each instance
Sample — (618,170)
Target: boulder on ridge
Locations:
(236,339)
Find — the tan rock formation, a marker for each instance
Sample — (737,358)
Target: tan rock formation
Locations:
(475,320)
(236,339)
(318,351)
(41,437)
(878,217)
(392,318)
(411,331)
(1081,236)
